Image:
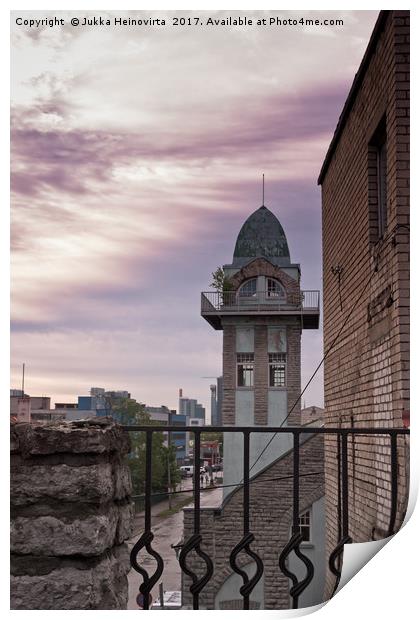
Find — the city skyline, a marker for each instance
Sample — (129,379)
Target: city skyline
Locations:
(137,155)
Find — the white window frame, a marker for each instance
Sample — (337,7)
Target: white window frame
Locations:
(277,360)
(245,361)
(305,525)
(280,294)
(243,292)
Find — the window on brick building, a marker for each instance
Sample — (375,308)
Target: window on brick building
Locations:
(277,369)
(377,179)
(245,369)
(274,289)
(248,288)
(305,525)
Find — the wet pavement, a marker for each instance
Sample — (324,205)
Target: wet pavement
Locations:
(167,531)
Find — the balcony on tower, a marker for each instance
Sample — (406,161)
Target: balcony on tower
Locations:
(303,304)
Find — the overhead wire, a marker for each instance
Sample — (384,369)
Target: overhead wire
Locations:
(382,242)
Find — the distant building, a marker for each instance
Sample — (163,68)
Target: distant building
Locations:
(190,407)
(219,407)
(65,405)
(18,393)
(25,408)
(210,452)
(102,402)
(213,404)
(160,414)
(180,439)
(36,402)
(48,415)
(312,415)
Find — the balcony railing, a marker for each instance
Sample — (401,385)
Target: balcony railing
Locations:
(231,301)
(243,545)
(215,304)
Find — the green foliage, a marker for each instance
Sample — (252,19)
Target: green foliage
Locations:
(129,412)
(220,281)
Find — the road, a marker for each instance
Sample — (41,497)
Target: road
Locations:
(167,531)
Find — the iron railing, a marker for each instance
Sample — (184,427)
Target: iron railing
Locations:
(261,301)
(193,543)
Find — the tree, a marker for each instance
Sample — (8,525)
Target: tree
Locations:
(131,413)
(220,281)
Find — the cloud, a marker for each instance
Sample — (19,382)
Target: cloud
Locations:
(136,157)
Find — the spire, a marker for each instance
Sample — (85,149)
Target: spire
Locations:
(263,205)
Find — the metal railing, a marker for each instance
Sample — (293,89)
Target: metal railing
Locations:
(293,545)
(261,301)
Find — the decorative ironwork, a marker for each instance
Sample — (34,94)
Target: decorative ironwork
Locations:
(293,545)
(195,540)
(244,545)
(148,582)
(193,544)
(248,584)
(146,538)
(297,586)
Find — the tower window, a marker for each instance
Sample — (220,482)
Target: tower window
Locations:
(249,288)
(275,289)
(277,369)
(245,374)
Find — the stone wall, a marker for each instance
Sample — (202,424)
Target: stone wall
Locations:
(70,515)
(366,374)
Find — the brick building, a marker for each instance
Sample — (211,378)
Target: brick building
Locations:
(262,311)
(365,215)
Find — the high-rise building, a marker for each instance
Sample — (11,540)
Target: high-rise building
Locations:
(190,407)
(213,404)
(219,404)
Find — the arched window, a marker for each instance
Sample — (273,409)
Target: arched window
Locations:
(248,288)
(275,289)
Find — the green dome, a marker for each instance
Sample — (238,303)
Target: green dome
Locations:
(261,235)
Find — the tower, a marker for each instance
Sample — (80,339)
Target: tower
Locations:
(262,311)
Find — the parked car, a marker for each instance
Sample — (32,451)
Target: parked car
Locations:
(188,470)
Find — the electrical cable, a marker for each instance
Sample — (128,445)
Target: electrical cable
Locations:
(225,486)
(382,241)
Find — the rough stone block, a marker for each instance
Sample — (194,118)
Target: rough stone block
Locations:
(101,585)
(96,435)
(122,481)
(32,484)
(49,535)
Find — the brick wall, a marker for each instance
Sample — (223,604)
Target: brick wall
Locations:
(70,515)
(263,267)
(366,374)
(270,522)
(293,367)
(261,376)
(293,374)
(229,374)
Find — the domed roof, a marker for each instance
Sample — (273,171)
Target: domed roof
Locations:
(261,235)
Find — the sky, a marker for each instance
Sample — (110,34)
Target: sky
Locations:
(137,154)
